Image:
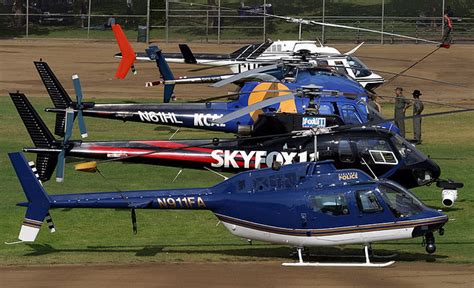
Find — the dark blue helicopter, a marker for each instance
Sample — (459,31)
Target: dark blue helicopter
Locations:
(338,95)
(300,205)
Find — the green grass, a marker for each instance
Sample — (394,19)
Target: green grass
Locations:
(105,236)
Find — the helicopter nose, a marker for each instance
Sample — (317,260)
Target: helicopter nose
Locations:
(426,172)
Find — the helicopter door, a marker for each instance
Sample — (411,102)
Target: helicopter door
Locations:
(346,152)
(339,66)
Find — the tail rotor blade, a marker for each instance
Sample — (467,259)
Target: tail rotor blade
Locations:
(82,124)
(77,88)
(69,124)
(79,97)
(60,166)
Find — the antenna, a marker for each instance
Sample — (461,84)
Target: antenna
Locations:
(215,172)
(366,164)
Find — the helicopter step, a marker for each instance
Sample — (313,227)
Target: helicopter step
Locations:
(367,263)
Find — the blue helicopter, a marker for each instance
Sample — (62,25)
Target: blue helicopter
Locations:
(337,94)
(300,205)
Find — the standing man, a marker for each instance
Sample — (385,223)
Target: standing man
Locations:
(417,109)
(401,105)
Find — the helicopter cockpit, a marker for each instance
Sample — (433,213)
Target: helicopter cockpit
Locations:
(407,151)
(400,201)
(358,67)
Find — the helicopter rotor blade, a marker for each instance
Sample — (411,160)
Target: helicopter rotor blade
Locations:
(259,105)
(425,101)
(67,135)
(421,78)
(211,67)
(373,123)
(79,97)
(244,75)
(310,22)
(409,67)
(237,94)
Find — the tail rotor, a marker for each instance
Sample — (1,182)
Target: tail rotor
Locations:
(77,87)
(67,135)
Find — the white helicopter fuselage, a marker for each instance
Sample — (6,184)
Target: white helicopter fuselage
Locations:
(343,63)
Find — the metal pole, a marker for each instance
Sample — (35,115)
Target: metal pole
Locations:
(207,25)
(27,17)
(167,3)
(219,23)
(322,28)
(148,21)
(299,32)
(381,26)
(442,18)
(89,19)
(264,20)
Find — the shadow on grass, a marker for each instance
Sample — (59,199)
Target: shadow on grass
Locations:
(264,251)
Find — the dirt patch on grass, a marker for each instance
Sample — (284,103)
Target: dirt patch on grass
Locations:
(267,274)
(94,62)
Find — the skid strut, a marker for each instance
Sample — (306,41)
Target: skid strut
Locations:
(367,263)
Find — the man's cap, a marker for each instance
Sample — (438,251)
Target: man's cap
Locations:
(417,93)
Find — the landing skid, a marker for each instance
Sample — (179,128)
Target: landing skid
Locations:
(367,263)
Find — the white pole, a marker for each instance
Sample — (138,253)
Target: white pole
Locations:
(322,29)
(167,28)
(148,22)
(89,19)
(219,23)
(381,26)
(27,17)
(442,18)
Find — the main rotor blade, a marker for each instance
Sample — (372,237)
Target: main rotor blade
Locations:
(309,22)
(78,90)
(373,123)
(425,101)
(259,105)
(409,67)
(420,78)
(244,75)
(237,94)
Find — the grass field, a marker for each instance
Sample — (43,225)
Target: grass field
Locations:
(105,236)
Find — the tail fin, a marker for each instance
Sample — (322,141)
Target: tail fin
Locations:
(57,93)
(128,55)
(187,54)
(38,200)
(155,53)
(39,133)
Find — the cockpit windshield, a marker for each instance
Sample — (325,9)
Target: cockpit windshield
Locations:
(359,68)
(407,150)
(400,201)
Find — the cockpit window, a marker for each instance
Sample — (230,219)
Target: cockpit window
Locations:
(326,108)
(383,157)
(330,204)
(349,114)
(359,68)
(346,155)
(401,203)
(407,150)
(368,202)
